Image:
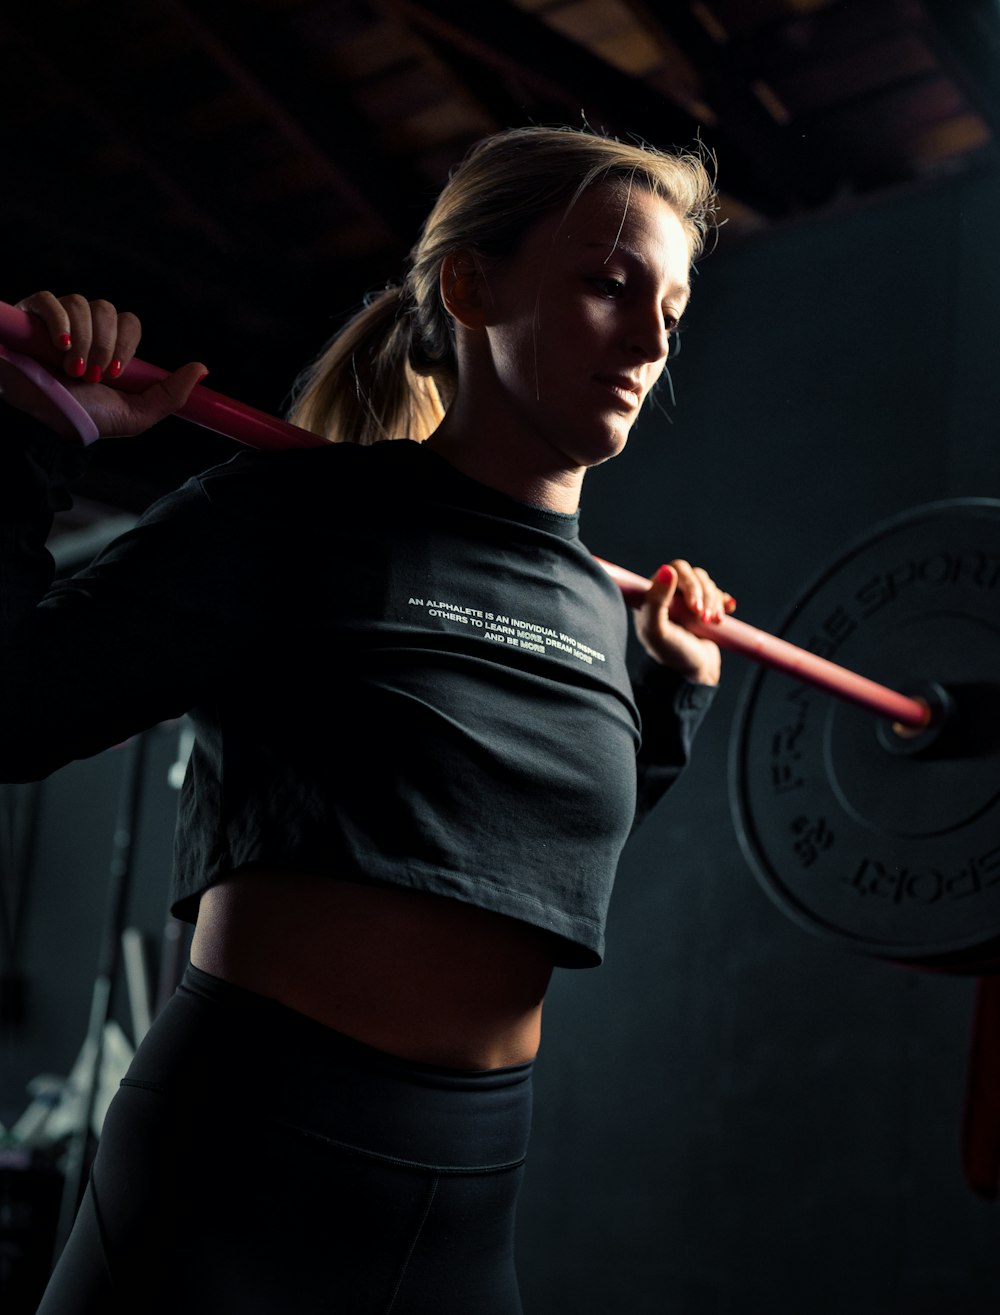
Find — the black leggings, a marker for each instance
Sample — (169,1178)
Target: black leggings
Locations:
(257,1163)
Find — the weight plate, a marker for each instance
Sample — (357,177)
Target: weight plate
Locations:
(887,846)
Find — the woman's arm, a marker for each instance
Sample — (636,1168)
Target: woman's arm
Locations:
(671,708)
(85,663)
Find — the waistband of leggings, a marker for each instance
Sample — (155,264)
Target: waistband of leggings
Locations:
(221,1043)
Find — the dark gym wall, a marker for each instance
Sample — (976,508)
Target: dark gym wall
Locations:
(732,1117)
(65,904)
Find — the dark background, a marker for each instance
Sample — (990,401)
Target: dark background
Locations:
(732,1115)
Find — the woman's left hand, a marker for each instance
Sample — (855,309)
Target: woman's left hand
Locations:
(668,640)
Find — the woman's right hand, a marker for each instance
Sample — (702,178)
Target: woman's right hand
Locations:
(96,342)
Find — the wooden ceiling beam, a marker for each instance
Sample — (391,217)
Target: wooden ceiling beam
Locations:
(966,41)
(561,73)
(259,50)
(743,104)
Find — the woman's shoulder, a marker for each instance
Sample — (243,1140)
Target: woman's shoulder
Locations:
(328,472)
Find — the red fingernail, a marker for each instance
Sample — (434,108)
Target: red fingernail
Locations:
(77,366)
(65,342)
(94,374)
(114,370)
(664,575)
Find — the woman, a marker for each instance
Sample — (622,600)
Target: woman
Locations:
(417,743)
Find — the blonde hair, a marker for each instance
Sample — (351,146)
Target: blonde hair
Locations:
(391,372)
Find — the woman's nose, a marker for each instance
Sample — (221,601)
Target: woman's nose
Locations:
(650,335)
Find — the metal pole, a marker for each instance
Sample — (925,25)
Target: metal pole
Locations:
(119,885)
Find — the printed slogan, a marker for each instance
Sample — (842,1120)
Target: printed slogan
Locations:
(512,630)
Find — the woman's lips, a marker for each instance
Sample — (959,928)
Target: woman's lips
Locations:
(625,389)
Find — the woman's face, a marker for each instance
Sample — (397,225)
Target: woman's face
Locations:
(580,320)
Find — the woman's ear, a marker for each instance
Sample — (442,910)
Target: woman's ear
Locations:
(463,289)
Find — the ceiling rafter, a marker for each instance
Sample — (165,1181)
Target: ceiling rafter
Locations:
(728,79)
(955,48)
(483,87)
(259,55)
(558,72)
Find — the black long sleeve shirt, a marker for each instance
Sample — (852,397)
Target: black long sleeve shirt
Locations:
(396,675)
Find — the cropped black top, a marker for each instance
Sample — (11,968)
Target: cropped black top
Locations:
(396,674)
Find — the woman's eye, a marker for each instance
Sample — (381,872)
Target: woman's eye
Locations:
(609,287)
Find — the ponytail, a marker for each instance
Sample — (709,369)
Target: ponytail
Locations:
(364,387)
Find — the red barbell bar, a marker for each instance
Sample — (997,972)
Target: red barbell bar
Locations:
(24,333)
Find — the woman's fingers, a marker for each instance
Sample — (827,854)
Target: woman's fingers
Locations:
(114,338)
(700,594)
(126,343)
(81,331)
(53,315)
(717,603)
(693,588)
(95,339)
(103,339)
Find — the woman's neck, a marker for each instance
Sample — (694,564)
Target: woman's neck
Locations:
(510,462)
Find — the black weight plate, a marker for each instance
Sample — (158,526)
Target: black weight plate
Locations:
(896,854)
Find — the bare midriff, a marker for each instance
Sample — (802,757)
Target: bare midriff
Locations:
(420,976)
